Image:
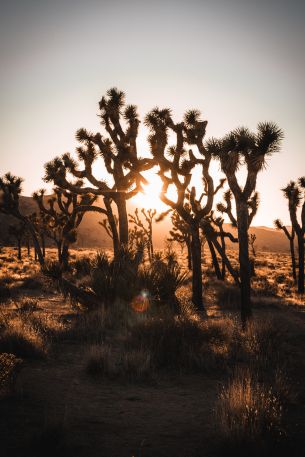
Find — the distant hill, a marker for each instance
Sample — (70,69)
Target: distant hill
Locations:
(91,234)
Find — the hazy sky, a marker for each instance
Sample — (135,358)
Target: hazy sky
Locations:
(239,62)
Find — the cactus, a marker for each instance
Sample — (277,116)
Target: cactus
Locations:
(10,190)
(175,169)
(244,148)
(295,194)
(118,152)
(291,236)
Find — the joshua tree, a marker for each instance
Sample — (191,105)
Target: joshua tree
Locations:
(118,152)
(290,235)
(180,233)
(10,190)
(145,229)
(294,192)
(212,227)
(252,239)
(110,224)
(18,232)
(242,147)
(62,214)
(175,169)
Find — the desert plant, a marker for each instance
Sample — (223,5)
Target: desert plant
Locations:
(290,235)
(10,190)
(294,193)
(119,153)
(146,228)
(18,232)
(175,169)
(242,147)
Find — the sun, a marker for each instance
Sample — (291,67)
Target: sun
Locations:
(150,197)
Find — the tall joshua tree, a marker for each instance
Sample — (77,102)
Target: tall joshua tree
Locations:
(10,190)
(242,147)
(175,169)
(62,214)
(291,236)
(295,194)
(119,153)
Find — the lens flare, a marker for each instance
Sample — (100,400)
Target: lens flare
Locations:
(141,302)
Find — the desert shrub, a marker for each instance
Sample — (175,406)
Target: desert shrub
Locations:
(26,306)
(100,361)
(22,343)
(9,367)
(262,286)
(179,343)
(136,365)
(248,415)
(280,278)
(52,269)
(82,266)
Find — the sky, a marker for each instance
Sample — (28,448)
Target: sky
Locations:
(239,62)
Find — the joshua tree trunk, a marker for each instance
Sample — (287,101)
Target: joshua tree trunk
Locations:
(65,256)
(19,248)
(189,254)
(113,227)
(35,242)
(214,260)
(43,245)
(293,265)
(29,247)
(244,261)
(223,265)
(226,262)
(123,220)
(301,263)
(197,271)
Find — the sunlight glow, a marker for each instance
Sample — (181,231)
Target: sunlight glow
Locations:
(150,197)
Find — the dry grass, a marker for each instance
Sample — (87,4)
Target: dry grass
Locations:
(249,414)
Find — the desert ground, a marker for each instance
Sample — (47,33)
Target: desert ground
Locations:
(130,380)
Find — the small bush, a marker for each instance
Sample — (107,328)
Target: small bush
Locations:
(22,343)
(100,361)
(136,365)
(248,415)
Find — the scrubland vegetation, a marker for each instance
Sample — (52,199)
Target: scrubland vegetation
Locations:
(140,352)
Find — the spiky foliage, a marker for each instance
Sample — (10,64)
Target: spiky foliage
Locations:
(143,229)
(175,169)
(243,148)
(118,150)
(10,191)
(61,214)
(295,194)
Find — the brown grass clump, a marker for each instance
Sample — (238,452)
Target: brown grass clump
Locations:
(249,415)
(100,361)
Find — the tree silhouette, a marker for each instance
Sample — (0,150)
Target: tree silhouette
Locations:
(119,153)
(180,233)
(175,169)
(10,190)
(110,225)
(291,236)
(145,228)
(242,147)
(18,232)
(62,213)
(294,192)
